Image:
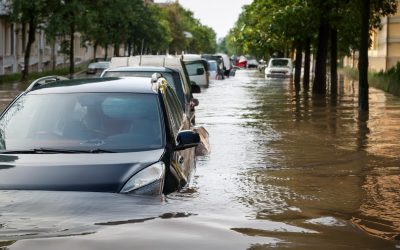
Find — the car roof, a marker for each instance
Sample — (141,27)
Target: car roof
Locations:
(101,85)
(142,68)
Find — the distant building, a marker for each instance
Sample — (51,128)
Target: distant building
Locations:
(43,55)
(385,48)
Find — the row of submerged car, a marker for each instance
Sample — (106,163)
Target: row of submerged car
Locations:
(131,130)
(200,68)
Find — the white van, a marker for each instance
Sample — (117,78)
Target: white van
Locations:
(279,68)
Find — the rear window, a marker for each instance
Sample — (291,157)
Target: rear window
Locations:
(192,68)
(279,63)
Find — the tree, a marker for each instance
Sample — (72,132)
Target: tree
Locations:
(64,22)
(363,56)
(371,12)
(31,14)
(181,22)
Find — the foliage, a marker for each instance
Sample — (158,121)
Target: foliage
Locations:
(266,26)
(386,81)
(132,23)
(198,39)
(31,15)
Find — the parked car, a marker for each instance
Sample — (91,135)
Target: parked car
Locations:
(227,64)
(252,64)
(220,63)
(183,90)
(279,67)
(97,67)
(198,72)
(213,70)
(124,135)
(241,62)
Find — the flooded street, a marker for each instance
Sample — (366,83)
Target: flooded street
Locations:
(286,170)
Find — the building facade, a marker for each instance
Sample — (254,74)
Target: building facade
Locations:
(384,52)
(44,55)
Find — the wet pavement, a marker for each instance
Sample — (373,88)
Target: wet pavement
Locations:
(286,170)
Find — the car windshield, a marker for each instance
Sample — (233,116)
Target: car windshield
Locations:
(147,74)
(279,63)
(118,122)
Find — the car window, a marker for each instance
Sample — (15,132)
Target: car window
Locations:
(82,121)
(192,68)
(187,94)
(175,113)
(279,63)
(212,66)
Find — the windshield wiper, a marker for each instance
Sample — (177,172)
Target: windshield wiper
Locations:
(55,151)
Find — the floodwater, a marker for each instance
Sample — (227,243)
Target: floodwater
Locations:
(286,171)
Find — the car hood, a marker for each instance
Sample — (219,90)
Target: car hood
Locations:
(105,172)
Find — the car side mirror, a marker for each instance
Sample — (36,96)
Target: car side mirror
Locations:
(195,88)
(195,102)
(187,139)
(200,71)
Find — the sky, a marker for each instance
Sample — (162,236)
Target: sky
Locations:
(220,15)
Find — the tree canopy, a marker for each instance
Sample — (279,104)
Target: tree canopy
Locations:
(134,25)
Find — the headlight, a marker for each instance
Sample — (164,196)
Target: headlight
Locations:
(148,181)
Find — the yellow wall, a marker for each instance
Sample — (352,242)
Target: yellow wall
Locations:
(385,52)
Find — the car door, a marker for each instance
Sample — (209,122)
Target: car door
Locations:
(183,161)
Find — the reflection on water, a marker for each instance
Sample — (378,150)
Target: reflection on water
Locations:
(287,170)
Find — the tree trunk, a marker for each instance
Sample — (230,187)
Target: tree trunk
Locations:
(106,51)
(299,60)
(53,55)
(334,61)
(319,86)
(23,37)
(71,50)
(116,49)
(129,48)
(307,59)
(363,57)
(95,51)
(31,40)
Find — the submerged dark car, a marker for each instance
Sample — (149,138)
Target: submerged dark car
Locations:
(126,135)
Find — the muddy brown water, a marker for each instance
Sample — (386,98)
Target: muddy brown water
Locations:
(286,171)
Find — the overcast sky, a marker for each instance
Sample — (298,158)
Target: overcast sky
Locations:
(220,15)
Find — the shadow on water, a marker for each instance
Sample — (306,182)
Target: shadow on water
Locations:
(287,170)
